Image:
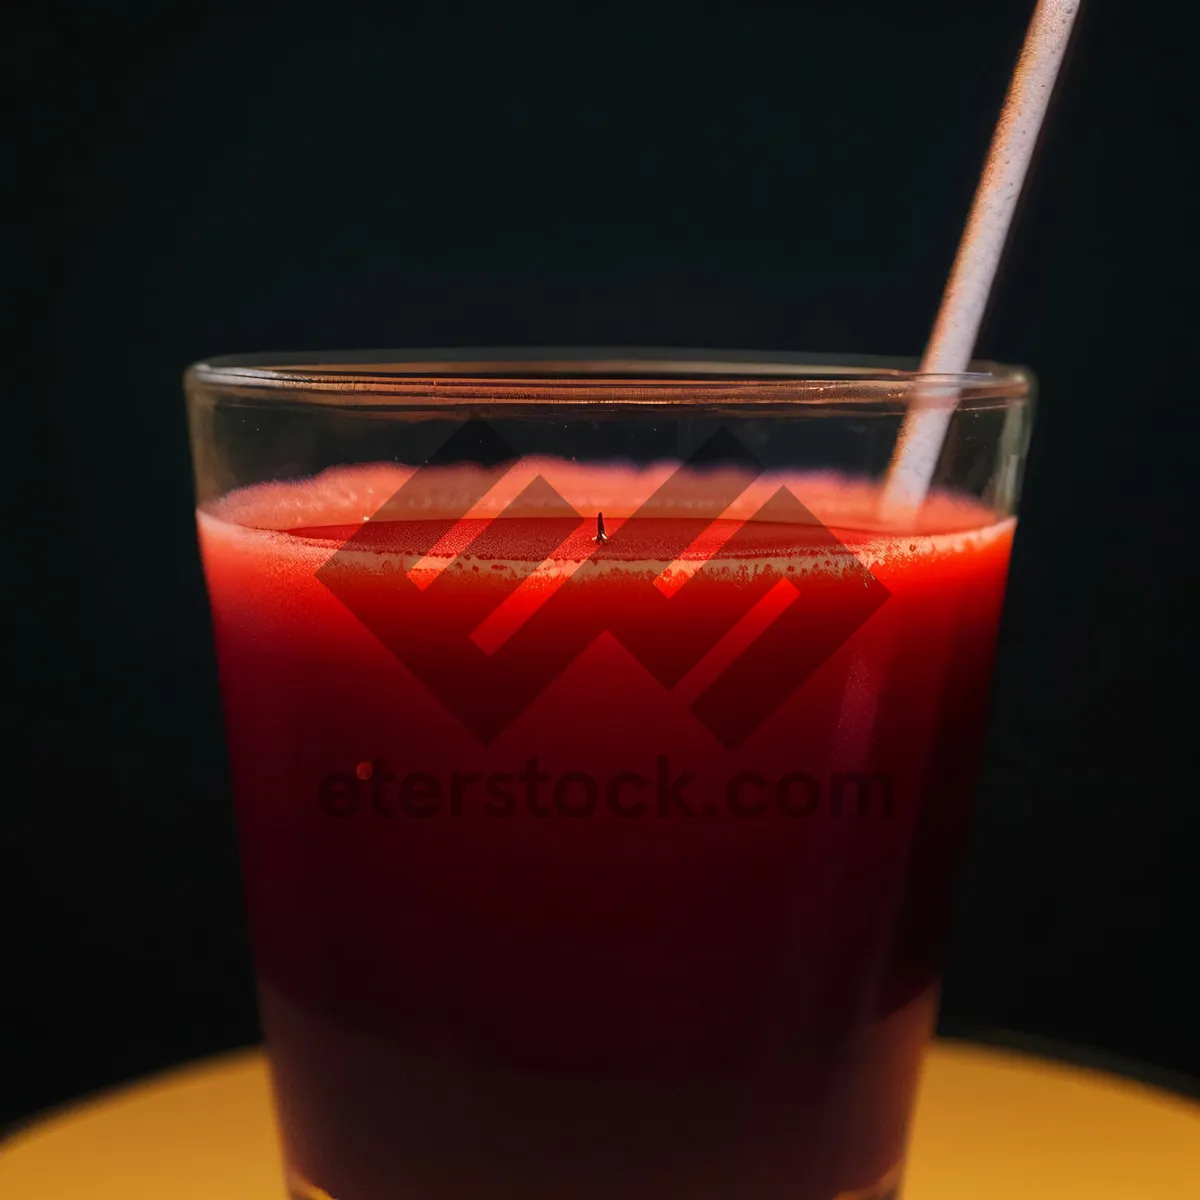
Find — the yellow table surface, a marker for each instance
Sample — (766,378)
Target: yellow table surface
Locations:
(990,1125)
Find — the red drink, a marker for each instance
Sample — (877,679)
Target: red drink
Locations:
(600,951)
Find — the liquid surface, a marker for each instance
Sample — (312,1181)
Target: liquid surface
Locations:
(598,869)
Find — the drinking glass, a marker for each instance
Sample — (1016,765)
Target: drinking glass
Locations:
(602,754)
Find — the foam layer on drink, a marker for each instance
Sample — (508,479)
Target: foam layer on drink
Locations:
(367,515)
(349,495)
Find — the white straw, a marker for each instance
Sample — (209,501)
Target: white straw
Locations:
(974,271)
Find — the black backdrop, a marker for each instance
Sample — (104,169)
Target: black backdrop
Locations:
(753,176)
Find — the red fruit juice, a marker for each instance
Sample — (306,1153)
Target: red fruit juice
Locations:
(616,937)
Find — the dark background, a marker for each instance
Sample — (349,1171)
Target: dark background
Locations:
(733,176)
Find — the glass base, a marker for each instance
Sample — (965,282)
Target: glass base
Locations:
(300,1188)
(887,1188)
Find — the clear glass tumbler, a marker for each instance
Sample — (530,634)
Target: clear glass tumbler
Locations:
(602,757)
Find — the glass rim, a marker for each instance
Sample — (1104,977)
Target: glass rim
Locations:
(600,376)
